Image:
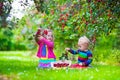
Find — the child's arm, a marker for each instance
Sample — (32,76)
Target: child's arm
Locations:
(38,34)
(39,41)
(87,62)
(71,51)
(48,43)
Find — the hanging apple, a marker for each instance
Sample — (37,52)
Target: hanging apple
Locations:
(52,11)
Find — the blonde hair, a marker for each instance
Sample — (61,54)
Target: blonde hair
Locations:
(84,39)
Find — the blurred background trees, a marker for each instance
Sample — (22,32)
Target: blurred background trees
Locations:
(69,19)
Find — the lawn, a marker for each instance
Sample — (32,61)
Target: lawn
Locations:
(22,65)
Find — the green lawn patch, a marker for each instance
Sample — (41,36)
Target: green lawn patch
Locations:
(25,68)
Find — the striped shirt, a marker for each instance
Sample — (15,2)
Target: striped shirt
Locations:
(84,57)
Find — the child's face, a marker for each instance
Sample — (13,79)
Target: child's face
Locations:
(82,45)
(49,36)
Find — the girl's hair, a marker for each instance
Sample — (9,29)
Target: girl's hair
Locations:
(49,30)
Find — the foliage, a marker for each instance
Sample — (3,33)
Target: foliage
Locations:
(9,41)
(81,17)
(105,48)
(5,37)
(71,19)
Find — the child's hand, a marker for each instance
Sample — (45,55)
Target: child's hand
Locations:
(39,31)
(81,64)
(67,49)
(40,37)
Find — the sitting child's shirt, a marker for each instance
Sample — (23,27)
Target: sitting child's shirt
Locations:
(84,57)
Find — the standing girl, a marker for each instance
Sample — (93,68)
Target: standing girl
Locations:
(45,51)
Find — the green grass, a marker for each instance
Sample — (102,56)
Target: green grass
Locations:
(16,65)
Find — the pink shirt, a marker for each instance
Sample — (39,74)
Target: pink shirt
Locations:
(50,46)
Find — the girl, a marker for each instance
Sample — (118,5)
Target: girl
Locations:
(45,50)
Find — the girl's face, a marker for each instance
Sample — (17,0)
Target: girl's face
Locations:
(49,36)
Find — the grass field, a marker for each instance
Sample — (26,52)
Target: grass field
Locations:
(21,65)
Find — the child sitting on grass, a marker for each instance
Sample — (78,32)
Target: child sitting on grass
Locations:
(84,55)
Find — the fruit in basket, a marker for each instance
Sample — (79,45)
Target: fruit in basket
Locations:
(61,64)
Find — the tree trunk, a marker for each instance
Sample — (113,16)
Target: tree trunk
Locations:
(39,5)
(4,12)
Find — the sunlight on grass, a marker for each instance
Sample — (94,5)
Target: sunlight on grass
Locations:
(15,53)
(25,68)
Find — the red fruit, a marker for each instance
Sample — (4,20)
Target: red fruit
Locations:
(93,22)
(67,64)
(65,19)
(58,65)
(39,29)
(109,15)
(55,65)
(1,5)
(67,14)
(62,8)
(86,23)
(45,32)
(63,25)
(62,65)
(83,19)
(38,32)
(60,19)
(61,15)
(90,11)
(52,11)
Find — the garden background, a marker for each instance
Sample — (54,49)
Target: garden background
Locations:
(99,20)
